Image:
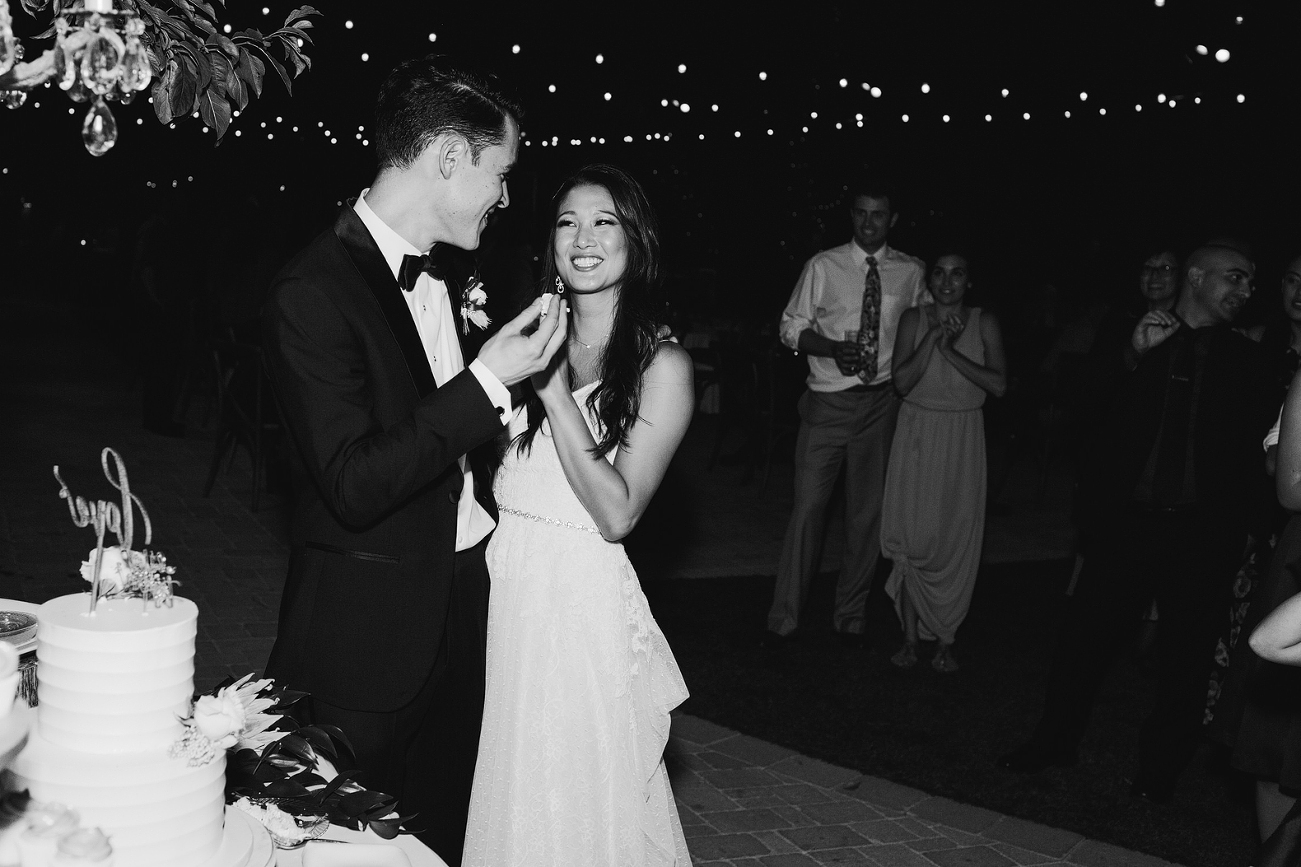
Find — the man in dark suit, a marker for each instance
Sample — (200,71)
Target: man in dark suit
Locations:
(1173,484)
(384,614)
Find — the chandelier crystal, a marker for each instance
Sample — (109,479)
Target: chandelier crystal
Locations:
(98,58)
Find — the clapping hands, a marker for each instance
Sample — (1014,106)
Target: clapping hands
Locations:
(1153,329)
(950,329)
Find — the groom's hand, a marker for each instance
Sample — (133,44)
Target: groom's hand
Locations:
(525,345)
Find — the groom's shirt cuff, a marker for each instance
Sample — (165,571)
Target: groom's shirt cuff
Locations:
(497,393)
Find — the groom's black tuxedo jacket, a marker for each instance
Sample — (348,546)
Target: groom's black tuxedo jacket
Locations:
(376,483)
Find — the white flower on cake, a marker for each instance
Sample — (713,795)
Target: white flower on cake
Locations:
(472,305)
(220,718)
(235,716)
(114,569)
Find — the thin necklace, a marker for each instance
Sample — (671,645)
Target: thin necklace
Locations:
(582,343)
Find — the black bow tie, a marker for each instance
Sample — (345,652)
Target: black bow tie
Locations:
(413,266)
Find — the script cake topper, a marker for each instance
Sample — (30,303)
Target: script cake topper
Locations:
(104,516)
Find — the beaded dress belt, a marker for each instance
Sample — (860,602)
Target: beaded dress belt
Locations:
(555,522)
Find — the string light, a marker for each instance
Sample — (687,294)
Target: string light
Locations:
(433,37)
(600,58)
(347,25)
(926,88)
(1083,96)
(514,49)
(682,67)
(763,76)
(1201,49)
(1222,55)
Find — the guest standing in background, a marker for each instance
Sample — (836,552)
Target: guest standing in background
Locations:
(947,357)
(843,314)
(1168,506)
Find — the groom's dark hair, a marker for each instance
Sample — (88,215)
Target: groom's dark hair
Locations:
(422,99)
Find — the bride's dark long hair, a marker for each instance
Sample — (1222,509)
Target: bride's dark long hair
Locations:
(637,311)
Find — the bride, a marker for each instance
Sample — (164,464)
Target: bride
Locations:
(580,679)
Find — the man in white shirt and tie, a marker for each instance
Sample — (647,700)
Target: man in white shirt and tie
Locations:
(843,316)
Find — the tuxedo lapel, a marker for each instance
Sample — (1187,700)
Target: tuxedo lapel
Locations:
(369,262)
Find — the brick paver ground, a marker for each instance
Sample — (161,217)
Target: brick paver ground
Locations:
(742,801)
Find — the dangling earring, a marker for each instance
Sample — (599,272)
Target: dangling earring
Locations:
(560,286)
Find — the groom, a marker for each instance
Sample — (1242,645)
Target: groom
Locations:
(384,614)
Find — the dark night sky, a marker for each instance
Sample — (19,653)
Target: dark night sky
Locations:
(1025,196)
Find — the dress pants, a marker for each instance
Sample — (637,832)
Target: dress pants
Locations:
(850,430)
(424,753)
(1186,560)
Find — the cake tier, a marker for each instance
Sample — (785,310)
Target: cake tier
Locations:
(155,810)
(117,680)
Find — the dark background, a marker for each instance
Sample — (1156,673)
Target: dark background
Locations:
(1046,200)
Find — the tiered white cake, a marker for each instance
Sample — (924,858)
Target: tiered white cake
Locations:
(113,687)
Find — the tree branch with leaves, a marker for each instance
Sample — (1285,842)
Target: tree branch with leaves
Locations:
(197,69)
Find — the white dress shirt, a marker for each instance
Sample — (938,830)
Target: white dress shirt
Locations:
(829,299)
(431,308)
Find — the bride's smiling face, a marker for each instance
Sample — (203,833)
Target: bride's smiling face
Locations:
(591,248)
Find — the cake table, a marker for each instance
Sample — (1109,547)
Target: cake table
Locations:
(243,832)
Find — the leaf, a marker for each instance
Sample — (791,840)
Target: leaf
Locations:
(357,803)
(215,111)
(162,93)
(222,71)
(294,54)
(185,87)
(300,13)
(205,9)
(224,43)
(295,745)
(202,69)
(284,789)
(251,71)
(390,828)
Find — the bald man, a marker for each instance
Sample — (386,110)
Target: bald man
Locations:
(1175,483)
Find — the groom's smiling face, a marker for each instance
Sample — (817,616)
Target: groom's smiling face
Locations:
(480,188)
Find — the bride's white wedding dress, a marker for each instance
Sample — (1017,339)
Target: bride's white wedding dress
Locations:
(579,688)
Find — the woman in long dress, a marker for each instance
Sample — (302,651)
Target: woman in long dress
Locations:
(947,356)
(580,679)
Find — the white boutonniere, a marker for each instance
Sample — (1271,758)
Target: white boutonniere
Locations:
(472,304)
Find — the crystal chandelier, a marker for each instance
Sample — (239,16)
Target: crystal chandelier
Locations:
(97,58)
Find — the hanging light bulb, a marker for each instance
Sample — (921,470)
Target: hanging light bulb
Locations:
(101,64)
(15,98)
(99,131)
